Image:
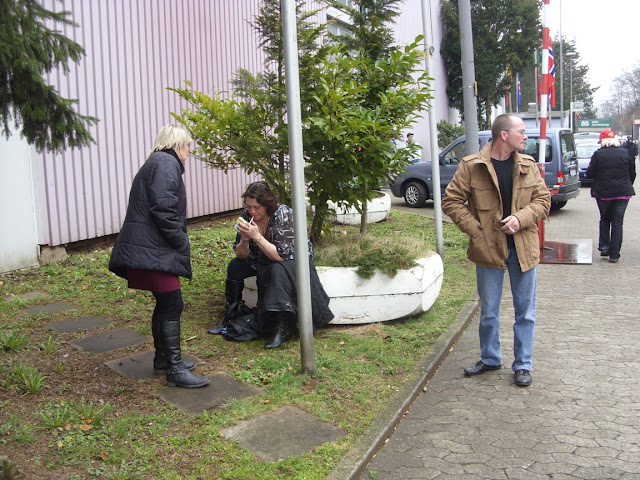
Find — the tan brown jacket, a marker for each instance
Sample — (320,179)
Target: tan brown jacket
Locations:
(472,201)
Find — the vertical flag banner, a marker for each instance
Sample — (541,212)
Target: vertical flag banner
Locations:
(519,91)
(552,78)
(507,87)
(544,100)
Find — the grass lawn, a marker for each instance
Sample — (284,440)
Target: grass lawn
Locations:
(65,415)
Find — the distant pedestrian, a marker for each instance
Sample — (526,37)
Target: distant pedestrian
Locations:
(398,143)
(497,197)
(631,147)
(613,172)
(409,138)
(152,250)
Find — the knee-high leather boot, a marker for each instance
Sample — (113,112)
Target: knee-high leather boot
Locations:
(232,293)
(280,333)
(177,373)
(169,306)
(160,359)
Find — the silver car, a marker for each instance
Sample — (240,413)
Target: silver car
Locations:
(585,149)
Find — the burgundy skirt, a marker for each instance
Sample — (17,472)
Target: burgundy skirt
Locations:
(152,280)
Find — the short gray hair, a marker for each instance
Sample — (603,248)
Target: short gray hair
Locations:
(502,122)
(171,136)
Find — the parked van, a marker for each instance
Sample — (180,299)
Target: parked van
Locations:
(561,168)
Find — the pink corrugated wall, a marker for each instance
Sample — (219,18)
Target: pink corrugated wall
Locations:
(135,50)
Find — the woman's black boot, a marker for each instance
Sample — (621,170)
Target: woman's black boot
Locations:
(280,333)
(232,293)
(178,375)
(169,306)
(160,359)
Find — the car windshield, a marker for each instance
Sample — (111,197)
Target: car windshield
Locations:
(585,150)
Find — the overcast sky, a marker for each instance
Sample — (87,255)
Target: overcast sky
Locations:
(606,34)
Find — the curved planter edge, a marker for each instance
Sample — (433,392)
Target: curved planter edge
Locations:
(356,300)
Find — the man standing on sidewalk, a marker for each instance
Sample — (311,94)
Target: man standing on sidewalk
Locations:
(497,197)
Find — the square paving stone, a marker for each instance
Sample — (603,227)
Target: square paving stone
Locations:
(73,324)
(26,296)
(140,365)
(222,388)
(53,307)
(284,433)
(109,341)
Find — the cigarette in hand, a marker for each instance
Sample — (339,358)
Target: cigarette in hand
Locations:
(512,230)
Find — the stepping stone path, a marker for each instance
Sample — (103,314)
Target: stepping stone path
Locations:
(73,324)
(286,432)
(140,365)
(222,388)
(110,340)
(54,307)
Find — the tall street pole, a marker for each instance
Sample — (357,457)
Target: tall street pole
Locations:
(561,71)
(468,77)
(433,133)
(570,56)
(294,116)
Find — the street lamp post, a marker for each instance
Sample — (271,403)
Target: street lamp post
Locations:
(570,56)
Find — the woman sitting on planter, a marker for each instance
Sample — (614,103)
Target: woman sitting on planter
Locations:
(264,248)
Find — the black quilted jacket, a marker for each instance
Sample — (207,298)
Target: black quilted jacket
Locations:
(154,233)
(613,173)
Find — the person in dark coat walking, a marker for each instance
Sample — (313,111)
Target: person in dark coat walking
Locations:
(152,250)
(631,147)
(264,248)
(613,173)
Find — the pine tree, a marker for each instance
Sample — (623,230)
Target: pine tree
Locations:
(28,50)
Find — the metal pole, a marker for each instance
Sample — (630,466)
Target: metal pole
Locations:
(571,97)
(290,35)
(433,134)
(561,72)
(468,77)
(544,97)
(570,56)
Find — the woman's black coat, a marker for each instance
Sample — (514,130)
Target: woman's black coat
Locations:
(613,173)
(154,233)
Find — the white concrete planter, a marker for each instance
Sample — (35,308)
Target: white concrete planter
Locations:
(377,210)
(356,300)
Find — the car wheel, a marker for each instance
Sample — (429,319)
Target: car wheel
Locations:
(558,205)
(415,195)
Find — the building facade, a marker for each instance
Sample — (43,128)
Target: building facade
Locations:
(135,51)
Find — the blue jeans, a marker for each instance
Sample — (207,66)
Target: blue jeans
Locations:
(611,217)
(523,290)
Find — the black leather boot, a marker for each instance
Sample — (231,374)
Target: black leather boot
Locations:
(160,359)
(280,333)
(177,374)
(232,293)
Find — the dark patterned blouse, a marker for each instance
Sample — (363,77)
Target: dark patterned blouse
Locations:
(279,232)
